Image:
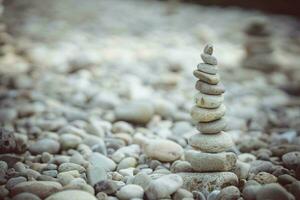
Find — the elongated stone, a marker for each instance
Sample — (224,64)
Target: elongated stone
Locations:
(209,59)
(206,88)
(211,162)
(211,143)
(207,181)
(208,101)
(212,127)
(210,69)
(208,78)
(207,115)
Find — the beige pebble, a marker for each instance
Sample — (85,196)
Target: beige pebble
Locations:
(208,78)
(207,115)
(212,127)
(210,89)
(206,68)
(208,101)
(211,143)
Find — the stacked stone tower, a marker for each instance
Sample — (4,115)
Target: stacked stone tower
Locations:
(258,46)
(211,142)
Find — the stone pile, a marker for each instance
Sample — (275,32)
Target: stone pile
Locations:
(208,156)
(258,46)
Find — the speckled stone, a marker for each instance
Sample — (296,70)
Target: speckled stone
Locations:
(208,78)
(207,115)
(208,101)
(206,68)
(206,88)
(212,127)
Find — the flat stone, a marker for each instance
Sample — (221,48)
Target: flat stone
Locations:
(163,150)
(206,88)
(130,191)
(265,178)
(208,78)
(211,162)
(229,193)
(211,143)
(45,145)
(69,141)
(208,101)
(212,127)
(206,68)
(209,59)
(14,181)
(72,194)
(39,188)
(208,181)
(273,191)
(207,115)
(163,187)
(64,167)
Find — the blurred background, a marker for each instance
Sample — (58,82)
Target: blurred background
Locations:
(64,57)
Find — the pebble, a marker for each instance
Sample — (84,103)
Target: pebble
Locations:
(249,192)
(294,189)
(209,181)
(273,191)
(206,68)
(182,194)
(208,101)
(3,192)
(45,145)
(141,179)
(40,188)
(96,173)
(246,157)
(98,159)
(261,166)
(163,187)
(74,194)
(209,59)
(210,89)
(107,186)
(127,163)
(69,141)
(14,181)
(130,191)
(213,126)
(265,178)
(207,162)
(291,160)
(229,193)
(211,143)
(181,166)
(139,112)
(242,169)
(251,144)
(286,179)
(280,150)
(207,78)
(26,196)
(7,141)
(207,115)
(163,150)
(70,167)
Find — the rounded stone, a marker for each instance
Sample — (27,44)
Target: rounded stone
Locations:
(26,196)
(208,49)
(272,191)
(208,162)
(130,191)
(212,127)
(206,88)
(265,178)
(139,112)
(207,115)
(206,68)
(163,150)
(209,59)
(64,167)
(211,143)
(73,194)
(45,145)
(291,160)
(208,78)
(229,193)
(39,188)
(69,141)
(208,101)
(14,181)
(163,187)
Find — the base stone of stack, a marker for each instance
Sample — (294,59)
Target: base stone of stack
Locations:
(207,181)
(211,143)
(210,162)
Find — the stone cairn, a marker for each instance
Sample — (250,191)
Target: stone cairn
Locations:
(211,142)
(258,47)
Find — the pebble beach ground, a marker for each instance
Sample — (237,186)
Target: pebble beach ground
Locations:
(96,99)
